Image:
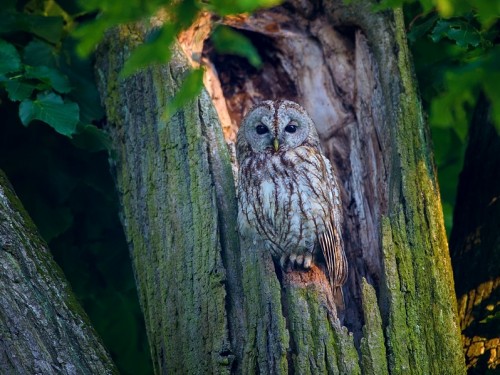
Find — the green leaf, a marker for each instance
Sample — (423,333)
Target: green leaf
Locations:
(420,29)
(17,90)
(48,28)
(38,52)
(458,30)
(186,12)
(51,109)
(189,89)
(111,13)
(441,115)
(154,51)
(51,77)
(449,111)
(229,41)
(91,138)
(89,35)
(9,58)
(81,75)
(488,12)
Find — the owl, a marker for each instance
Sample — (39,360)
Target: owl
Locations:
(287,191)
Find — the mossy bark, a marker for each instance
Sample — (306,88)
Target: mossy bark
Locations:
(43,329)
(215,303)
(169,177)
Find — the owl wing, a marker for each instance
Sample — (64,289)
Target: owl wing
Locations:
(331,241)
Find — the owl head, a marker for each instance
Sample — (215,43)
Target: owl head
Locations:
(276,126)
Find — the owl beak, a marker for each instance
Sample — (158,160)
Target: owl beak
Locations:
(276,144)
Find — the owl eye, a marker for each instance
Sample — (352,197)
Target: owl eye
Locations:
(291,127)
(262,129)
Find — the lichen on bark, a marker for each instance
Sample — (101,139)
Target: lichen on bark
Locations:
(164,175)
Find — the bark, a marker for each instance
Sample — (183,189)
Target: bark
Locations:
(172,177)
(43,328)
(475,244)
(216,303)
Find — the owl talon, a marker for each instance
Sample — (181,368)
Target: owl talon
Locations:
(308,261)
(300,260)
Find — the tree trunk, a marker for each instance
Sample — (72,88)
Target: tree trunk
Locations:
(43,328)
(217,304)
(475,244)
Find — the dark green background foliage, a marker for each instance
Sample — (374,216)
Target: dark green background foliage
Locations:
(455,59)
(59,163)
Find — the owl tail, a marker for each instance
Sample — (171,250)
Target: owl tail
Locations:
(336,262)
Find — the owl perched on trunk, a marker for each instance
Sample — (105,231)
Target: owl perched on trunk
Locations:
(288,194)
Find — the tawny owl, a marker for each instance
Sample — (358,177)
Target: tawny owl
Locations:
(288,194)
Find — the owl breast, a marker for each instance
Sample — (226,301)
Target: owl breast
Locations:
(286,199)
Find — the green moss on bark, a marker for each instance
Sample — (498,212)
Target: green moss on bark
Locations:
(373,353)
(169,212)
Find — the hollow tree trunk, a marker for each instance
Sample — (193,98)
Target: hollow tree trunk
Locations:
(475,244)
(43,329)
(217,304)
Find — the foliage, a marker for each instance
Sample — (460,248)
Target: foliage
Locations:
(456,54)
(39,69)
(177,16)
(190,89)
(227,40)
(37,56)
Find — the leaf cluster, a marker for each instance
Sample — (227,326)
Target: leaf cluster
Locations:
(178,16)
(40,71)
(456,51)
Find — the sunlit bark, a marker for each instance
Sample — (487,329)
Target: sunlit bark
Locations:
(216,303)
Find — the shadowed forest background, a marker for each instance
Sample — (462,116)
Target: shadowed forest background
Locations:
(57,157)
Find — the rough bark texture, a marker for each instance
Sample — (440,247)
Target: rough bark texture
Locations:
(169,176)
(43,329)
(214,304)
(475,245)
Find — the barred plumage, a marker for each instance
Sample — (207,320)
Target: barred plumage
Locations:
(288,194)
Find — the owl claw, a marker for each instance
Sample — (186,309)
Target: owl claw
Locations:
(308,261)
(294,261)
(300,260)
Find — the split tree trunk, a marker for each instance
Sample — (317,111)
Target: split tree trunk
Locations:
(43,329)
(475,244)
(215,304)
